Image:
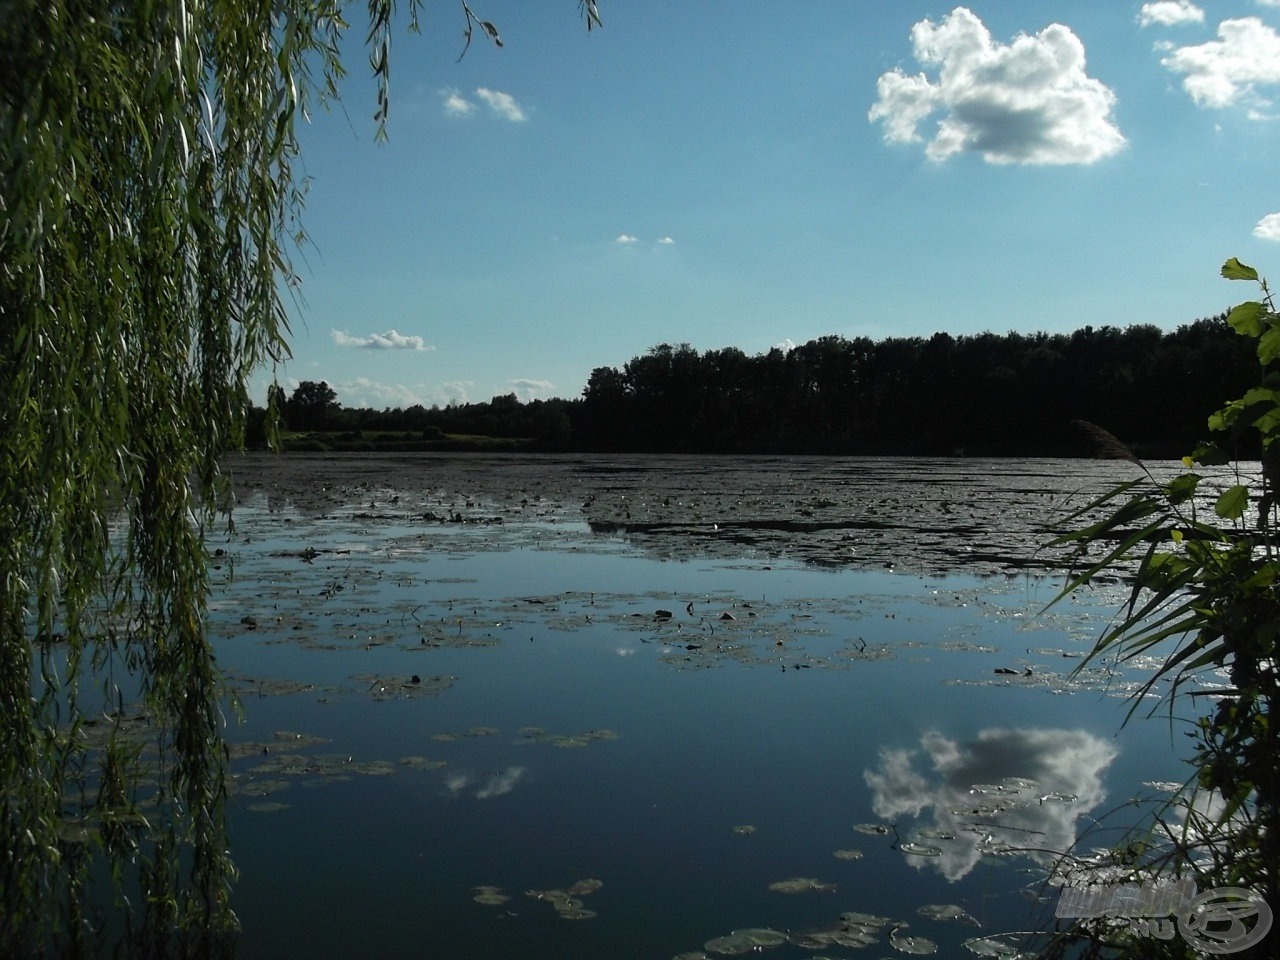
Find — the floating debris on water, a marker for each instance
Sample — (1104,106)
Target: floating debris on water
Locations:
(848,854)
(744,830)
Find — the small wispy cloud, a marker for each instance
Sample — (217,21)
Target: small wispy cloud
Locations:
(501,105)
(627,238)
(1268,228)
(456,105)
(488,785)
(391,340)
(1169,13)
(665,241)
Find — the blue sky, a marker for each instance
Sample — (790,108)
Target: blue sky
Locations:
(759,172)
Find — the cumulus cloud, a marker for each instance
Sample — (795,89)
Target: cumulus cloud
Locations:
(391,340)
(786,346)
(453,391)
(1029,101)
(503,104)
(1268,227)
(526,389)
(1230,70)
(1169,13)
(627,238)
(665,241)
(364,392)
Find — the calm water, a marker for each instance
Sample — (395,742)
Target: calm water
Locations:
(435,711)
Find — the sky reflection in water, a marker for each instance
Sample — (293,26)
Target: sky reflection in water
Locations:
(560,728)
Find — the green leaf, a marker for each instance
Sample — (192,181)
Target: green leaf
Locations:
(1233,503)
(1233,269)
(1269,346)
(1182,488)
(1210,455)
(1246,318)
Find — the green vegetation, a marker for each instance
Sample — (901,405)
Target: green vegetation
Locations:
(982,395)
(1205,598)
(150,205)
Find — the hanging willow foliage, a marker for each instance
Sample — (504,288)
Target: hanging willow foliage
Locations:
(148,206)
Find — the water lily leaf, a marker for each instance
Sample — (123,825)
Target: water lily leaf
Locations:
(947,911)
(919,849)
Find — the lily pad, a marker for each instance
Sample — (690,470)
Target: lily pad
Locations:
(948,911)
(919,849)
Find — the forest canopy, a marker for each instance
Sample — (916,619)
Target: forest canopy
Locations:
(985,394)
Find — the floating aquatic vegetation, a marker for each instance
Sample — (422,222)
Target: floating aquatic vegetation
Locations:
(801,885)
(571,740)
(399,688)
(489,895)
(873,829)
(420,763)
(567,902)
(993,947)
(261,788)
(268,807)
(751,940)
(744,829)
(948,911)
(904,943)
(913,849)
(847,854)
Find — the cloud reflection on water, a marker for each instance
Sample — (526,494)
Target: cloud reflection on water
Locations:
(486,785)
(1000,790)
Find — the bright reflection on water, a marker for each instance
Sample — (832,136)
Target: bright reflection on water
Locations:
(426,726)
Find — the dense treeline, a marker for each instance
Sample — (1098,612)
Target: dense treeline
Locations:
(987,394)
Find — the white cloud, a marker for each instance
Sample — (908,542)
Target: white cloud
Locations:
(665,241)
(503,104)
(452,391)
(391,340)
(1227,71)
(786,346)
(363,392)
(1169,13)
(1029,101)
(1268,227)
(627,238)
(456,105)
(526,389)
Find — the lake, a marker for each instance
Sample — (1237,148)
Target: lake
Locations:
(664,707)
